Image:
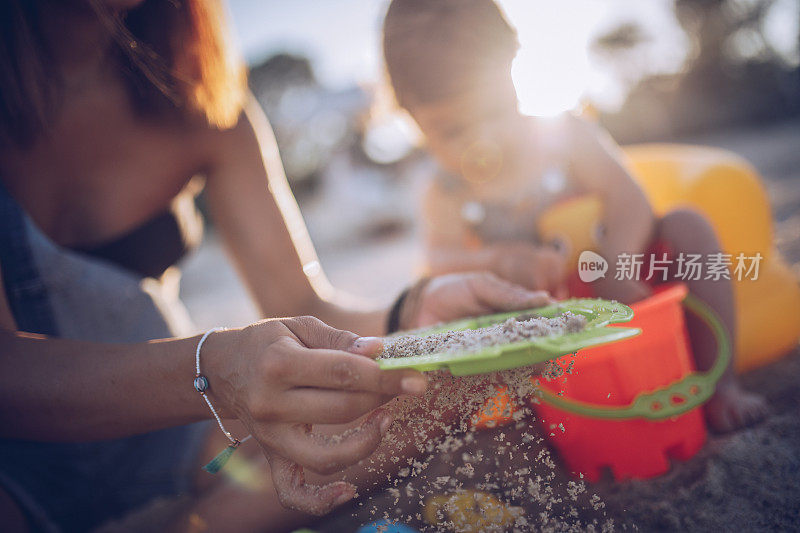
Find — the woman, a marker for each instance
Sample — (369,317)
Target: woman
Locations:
(109,109)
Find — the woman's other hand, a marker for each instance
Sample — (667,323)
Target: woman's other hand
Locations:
(279,377)
(460,295)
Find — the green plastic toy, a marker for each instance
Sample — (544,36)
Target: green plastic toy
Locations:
(599,314)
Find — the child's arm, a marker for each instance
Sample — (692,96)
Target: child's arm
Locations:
(446,236)
(448,249)
(628,219)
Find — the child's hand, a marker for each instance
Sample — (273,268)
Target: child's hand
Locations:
(535,268)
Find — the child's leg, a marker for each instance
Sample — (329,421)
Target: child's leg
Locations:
(687,231)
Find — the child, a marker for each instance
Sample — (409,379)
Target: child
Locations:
(450,66)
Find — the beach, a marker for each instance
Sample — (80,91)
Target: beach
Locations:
(745,480)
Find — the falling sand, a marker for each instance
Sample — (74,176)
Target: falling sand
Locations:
(446,475)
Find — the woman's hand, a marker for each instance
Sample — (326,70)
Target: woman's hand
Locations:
(454,296)
(533,267)
(279,377)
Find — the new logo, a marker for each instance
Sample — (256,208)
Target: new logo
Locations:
(591,266)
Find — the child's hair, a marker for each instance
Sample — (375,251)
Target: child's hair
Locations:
(438,48)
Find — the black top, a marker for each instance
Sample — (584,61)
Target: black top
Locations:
(159,243)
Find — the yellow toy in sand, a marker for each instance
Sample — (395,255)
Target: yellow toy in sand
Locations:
(470,510)
(728,191)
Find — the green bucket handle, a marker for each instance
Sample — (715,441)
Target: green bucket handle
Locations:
(674,399)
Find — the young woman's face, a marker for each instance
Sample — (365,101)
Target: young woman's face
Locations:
(472,134)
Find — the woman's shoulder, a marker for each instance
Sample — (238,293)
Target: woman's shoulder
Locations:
(250,134)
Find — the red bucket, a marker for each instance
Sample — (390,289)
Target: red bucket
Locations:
(614,375)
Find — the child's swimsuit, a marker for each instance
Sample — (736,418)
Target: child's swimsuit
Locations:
(514,219)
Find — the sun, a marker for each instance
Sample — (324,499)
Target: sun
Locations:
(552,71)
(547,86)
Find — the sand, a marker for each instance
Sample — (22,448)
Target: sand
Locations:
(746,480)
(515,329)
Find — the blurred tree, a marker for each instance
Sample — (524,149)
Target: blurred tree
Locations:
(311,122)
(734,73)
(280,72)
(621,48)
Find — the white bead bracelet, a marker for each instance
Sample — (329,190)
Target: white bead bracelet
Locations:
(201,385)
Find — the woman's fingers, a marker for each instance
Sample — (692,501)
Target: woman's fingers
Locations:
(326,454)
(295,493)
(329,369)
(498,294)
(369,346)
(314,333)
(323,406)
(292,447)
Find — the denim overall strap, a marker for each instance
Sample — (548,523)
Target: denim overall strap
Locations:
(66,487)
(24,288)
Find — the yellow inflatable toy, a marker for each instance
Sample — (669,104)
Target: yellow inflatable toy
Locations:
(728,190)
(470,510)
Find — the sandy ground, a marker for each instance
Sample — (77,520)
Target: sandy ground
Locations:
(743,481)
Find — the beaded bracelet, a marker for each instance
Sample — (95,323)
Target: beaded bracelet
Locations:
(201,386)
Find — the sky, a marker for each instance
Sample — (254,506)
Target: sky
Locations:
(553,72)
(342,37)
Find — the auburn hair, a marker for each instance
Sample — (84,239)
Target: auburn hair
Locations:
(439,48)
(175,55)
